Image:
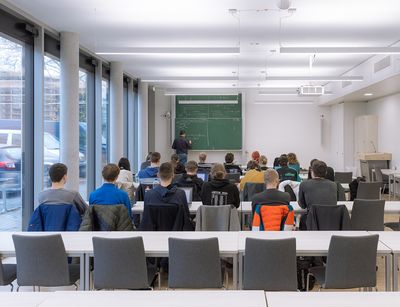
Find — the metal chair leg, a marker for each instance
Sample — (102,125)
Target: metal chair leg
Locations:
(12,287)
(18,288)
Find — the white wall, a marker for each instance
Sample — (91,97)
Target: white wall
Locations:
(162,142)
(388,111)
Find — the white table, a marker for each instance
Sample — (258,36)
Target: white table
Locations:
(200,298)
(332,299)
(310,243)
(156,244)
(23,299)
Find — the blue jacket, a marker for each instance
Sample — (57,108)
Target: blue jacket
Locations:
(55,218)
(109,194)
(148,172)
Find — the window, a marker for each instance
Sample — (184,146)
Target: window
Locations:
(105,111)
(83,100)
(12,96)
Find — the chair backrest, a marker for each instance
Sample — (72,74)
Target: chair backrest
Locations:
(161,217)
(270,265)
(213,218)
(328,217)
(233,177)
(369,190)
(351,262)
(378,174)
(41,261)
(343,177)
(119,263)
(368,215)
(252,188)
(194,264)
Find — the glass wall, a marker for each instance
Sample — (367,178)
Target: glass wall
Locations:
(105,111)
(12,97)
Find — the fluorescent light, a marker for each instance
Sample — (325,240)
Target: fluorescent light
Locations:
(314,78)
(368,94)
(284,102)
(345,50)
(180,79)
(208,102)
(170,50)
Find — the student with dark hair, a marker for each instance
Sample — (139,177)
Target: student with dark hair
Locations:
(285,172)
(330,175)
(152,170)
(253,174)
(219,184)
(108,193)
(181,146)
(57,194)
(309,168)
(276,160)
(179,168)
(125,174)
(230,167)
(190,179)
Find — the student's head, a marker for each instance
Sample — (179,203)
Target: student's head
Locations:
(110,172)
(309,169)
(330,174)
(123,163)
(252,164)
(182,133)
(58,173)
(255,155)
(166,173)
(174,158)
(148,156)
(271,178)
(218,171)
(229,157)
(318,169)
(202,157)
(263,160)
(312,161)
(155,158)
(292,158)
(283,160)
(191,167)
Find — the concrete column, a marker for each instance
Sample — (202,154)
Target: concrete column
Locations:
(116,112)
(69,113)
(143,122)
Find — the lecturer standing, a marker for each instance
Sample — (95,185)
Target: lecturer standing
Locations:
(181,146)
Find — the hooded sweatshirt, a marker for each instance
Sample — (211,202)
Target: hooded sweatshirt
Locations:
(148,172)
(220,185)
(166,195)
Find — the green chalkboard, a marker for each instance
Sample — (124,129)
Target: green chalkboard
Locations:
(210,126)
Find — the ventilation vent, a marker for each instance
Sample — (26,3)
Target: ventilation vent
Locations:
(346,83)
(382,64)
(310,90)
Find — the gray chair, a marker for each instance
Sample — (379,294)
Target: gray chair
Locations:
(120,264)
(368,215)
(343,177)
(252,188)
(217,218)
(369,190)
(42,261)
(8,273)
(351,263)
(194,264)
(382,178)
(270,265)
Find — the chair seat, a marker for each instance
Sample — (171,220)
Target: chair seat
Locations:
(9,274)
(74,273)
(319,274)
(393,225)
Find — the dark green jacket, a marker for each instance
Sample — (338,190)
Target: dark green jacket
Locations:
(106,218)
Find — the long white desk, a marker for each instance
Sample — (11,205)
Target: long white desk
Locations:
(23,299)
(156,298)
(310,243)
(332,299)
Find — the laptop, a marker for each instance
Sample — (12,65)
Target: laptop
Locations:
(189,193)
(203,176)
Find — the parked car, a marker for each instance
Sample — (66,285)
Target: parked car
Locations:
(10,165)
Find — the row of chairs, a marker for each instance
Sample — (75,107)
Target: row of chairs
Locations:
(269,265)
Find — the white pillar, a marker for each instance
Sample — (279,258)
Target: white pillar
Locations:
(143,121)
(69,112)
(116,112)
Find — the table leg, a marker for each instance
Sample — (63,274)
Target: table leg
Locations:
(387,272)
(395,280)
(235,271)
(240,271)
(82,266)
(87,272)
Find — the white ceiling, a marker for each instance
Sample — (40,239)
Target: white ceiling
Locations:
(106,25)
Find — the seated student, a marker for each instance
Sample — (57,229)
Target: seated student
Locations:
(309,168)
(190,179)
(253,174)
(57,194)
(255,155)
(179,168)
(152,170)
(202,158)
(318,190)
(285,172)
(108,193)
(219,184)
(263,163)
(125,174)
(293,162)
(276,161)
(330,175)
(146,163)
(230,167)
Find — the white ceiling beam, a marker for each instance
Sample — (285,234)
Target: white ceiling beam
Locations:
(341,50)
(315,78)
(169,50)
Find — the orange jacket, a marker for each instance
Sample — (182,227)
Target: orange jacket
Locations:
(272,217)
